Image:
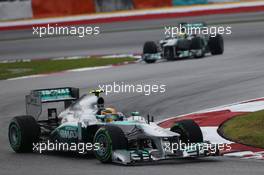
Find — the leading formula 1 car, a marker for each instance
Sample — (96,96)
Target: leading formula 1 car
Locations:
(184,44)
(121,139)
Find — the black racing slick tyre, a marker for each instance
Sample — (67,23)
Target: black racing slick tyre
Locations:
(169,53)
(216,45)
(198,44)
(23,132)
(183,44)
(150,47)
(109,138)
(189,131)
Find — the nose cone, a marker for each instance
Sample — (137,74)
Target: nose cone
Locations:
(155,131)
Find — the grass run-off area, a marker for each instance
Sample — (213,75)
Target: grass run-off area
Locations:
(17,69)
(247,129)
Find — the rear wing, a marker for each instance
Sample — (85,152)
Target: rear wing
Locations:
(36,98)
(194,25)
(56,94)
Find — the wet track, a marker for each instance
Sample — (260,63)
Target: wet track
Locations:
(191,85)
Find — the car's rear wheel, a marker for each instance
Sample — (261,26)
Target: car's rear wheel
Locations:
(23,132)
(109,138)
(189,131)
(216,45)
(150,47)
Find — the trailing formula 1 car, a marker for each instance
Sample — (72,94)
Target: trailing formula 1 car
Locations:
(184,44)
(119,138)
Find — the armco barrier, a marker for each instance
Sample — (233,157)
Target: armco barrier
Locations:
(15,10)
(113,5)
(140,4)
(221,1)
(189,2)
(53,8)
(148,14)
(57,8)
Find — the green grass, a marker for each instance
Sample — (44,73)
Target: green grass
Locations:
(17,69)
(247,129)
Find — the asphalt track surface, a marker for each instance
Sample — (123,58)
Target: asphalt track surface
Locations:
(191,85)
(125,37)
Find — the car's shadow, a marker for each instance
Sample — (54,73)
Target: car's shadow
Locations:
(177,60)
(180,161)
(70,154)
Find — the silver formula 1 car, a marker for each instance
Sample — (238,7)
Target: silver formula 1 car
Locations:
(119,138)
(184,45)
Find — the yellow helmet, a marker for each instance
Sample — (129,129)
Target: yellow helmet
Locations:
(109,111)
(110,114)
(181,34)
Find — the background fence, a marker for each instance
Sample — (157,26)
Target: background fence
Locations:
(17,9)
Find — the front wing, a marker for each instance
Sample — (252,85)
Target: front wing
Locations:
(128,157)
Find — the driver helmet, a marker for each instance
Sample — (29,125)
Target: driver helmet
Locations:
(182,34)
(110,114)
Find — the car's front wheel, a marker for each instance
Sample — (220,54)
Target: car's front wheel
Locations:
(109,138)
(198,45)
(169,53)
(150,47)
(189,131)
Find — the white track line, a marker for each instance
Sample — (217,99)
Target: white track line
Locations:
(88,69)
